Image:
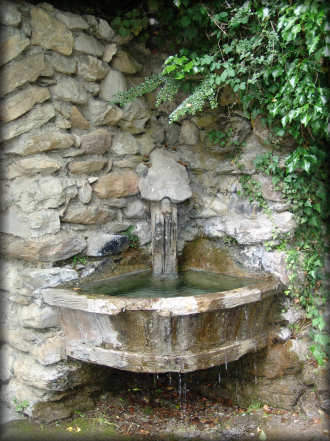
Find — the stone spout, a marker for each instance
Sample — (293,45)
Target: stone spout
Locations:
(165,185)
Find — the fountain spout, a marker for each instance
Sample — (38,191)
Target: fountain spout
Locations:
(165,185)
(164,232)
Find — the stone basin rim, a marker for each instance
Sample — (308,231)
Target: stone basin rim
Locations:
(184,305)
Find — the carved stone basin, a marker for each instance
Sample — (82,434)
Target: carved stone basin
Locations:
(175,334)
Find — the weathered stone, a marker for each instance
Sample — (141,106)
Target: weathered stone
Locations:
(101,113)
(85,193)
(87,215)
(117,185)
(50,352)
(16,105)
(142,170)
(146,143)
(267,137)
(40,141)
(17,73)
(90,166)
(50,33)
(10,15)
(47,249)
(102,244)
(207,119)
(92,88)
(136,115)
(143,232)
(125,63)
(109,52)
(98,141)
(12,46)
(33,316)
(37,117)
(117,203)
(125,144)
(130,162)
(135,209)
(44,192)
(259,228)
(48,277)
(189,133)
(88,45)
(156,130)
(30,225)
(72,21)
(78,120)
(62,123)
(165,179)
(30,166)
(62,63)
(113,83)
(103,30)
(7,360)
(69,89)
(92,69)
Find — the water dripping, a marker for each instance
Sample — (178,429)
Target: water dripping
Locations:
(219,377)
(246,312)
(226,360)
(169,378)
(255,372)
(180,387)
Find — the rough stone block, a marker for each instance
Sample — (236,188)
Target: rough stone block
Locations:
(102,244)
(69,89)
(10,15)
(87,215)
(12,46)
(96,142)
(88,45)
(91,69)
(34,316)
(125,144)
(113,83)
(62,63)
(50,33)
(117,185)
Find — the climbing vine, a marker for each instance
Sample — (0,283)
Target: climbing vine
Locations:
(273,55)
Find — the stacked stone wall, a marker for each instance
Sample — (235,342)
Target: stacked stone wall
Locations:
(71,163)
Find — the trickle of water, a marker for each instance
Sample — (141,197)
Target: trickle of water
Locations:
(155,380)
(255,372)
(180,387)
(157,376)
(219,377)
(170,378)
(246,313)
(226,360)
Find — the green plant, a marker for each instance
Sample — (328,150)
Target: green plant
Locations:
(20,406)
(79,259)
(133,239)
(130,23)
(254,405)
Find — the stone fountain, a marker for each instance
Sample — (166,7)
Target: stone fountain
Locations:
(159,334)
(165,185)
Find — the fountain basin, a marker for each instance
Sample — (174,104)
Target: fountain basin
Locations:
(165,334)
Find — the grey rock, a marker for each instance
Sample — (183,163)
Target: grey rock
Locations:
(71,90)
(125,63)
(87,215)
(11,45)
(109,52)
(104,31)
(88,45)
(72,21)
(143,231)
(50,33)
(101,113)
(102,244)
(33,316)
(125,144)
(61,63)
(19,72)
(135,116)
(96,142)
(37,117)
(189,133)
(91,69)
(113,83)
(142,170)
(89,167)
(130,162)
(14,106)
(135,210)
(49,277)
(35,224)
(85,193)
(30,166)
(41,140)
(46,249)
(147,143)
(165,179)
(9,15)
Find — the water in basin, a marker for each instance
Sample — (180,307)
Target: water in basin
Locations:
(187,283)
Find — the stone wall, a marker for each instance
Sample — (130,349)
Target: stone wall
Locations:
(71,163)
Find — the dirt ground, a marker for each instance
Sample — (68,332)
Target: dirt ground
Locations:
(166,409)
